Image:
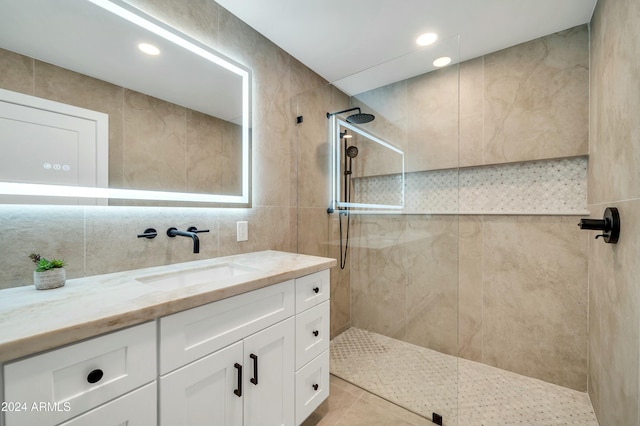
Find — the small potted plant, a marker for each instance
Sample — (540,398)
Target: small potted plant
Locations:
(49,273)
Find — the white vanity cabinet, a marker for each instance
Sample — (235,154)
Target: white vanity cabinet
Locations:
(260,358)
(312,343)
(50,388)
(246,376)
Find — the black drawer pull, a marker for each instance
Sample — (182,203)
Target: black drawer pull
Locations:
(315,386)
(238,391)
(254,379)
(95,376)
(316,332)
(316,290)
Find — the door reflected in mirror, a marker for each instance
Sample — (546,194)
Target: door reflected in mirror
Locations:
(178,121)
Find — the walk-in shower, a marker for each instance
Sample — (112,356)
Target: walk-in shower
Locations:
(442,306)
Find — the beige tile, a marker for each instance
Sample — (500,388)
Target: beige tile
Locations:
(373,413)
(16,72)
(272,121)
(535,297)
(470,288)
(433,121)
(378,276)
(268,230)
(614,148)
(536,99)
(341,399)
(471,112)
(196,18)
(151,119)
(52,231)
(614,319)
(213,155)
(109,227)
(313,149)
(431,264)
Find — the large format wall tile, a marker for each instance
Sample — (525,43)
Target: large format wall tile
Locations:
(615,123)
(614,315)
(614,307)
(470,304)
(52,231)
(432,130)
(16,71)
(378,275)
(535,298)
(536,99)
(431,264)
(91,234)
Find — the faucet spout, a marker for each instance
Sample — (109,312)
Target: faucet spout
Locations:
(172,232)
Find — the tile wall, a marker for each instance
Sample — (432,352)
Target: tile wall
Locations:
(97,240)
(614,293)
(506,290)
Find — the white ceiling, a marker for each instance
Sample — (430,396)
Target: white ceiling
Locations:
(339,38)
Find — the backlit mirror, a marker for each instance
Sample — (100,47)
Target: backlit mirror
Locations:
(179,120)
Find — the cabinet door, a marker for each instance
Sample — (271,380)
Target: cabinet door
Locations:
(203,392)
(269,397)
(137,408)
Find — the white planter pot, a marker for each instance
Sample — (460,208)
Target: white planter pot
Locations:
(53,278)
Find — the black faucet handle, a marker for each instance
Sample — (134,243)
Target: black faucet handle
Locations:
(196,230)
(148,233)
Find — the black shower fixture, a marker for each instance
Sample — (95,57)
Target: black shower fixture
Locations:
(352,152)
(358,118)
(609,225)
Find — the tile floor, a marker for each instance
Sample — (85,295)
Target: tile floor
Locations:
(349,405)
(487,396)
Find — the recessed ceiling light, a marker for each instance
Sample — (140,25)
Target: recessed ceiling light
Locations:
(426,39)
(149,49)
(442,61)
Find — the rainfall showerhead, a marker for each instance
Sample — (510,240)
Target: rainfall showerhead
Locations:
(352,152)
(358,118)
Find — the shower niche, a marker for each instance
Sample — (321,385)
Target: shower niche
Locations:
(367,172)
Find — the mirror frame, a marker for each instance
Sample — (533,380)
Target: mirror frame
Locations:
(143,20)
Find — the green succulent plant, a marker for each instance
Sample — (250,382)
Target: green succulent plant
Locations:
(43,264)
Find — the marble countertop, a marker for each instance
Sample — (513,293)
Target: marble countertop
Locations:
(36,320)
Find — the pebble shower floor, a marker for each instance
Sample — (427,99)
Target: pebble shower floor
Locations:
(424,381)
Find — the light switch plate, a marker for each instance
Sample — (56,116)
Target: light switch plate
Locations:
(242,230)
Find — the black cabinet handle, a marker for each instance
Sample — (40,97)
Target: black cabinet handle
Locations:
(316,290)
(254,379)
(316,332)
(95,376)
(315,386)
(238,391)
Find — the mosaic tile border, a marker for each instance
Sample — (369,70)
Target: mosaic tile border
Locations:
(557,186)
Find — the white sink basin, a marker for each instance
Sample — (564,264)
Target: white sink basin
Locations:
(191,277)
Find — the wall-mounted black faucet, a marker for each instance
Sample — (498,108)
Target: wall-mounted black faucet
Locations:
(191,232)
(609,225)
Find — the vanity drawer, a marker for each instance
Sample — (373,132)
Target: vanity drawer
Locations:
(192,334)
(312,333)
(57,385)
(312,289)
(137,408)
(312,386)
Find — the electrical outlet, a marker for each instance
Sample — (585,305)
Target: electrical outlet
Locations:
(242,230)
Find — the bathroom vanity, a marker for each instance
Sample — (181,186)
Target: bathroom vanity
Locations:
(239,340)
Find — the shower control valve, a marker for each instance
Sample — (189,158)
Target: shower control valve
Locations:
(609,225)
